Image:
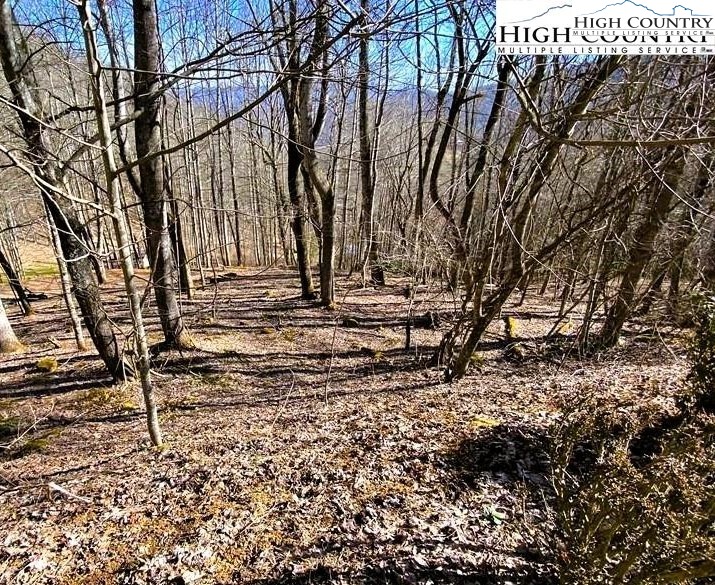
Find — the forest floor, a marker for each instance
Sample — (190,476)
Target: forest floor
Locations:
(303,445)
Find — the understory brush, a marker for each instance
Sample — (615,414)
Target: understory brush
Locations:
(635,485)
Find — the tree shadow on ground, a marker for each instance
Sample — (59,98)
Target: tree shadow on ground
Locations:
(512,452)
(269,396)
(516,456)
(257,399)
(54,384)
(405,572)
(515,452)
(281,366)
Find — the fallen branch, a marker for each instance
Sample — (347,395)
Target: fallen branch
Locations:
(58,488)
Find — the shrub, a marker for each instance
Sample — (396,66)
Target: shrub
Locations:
(702,356)
(635,497)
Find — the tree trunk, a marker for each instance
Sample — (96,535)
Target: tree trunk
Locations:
(687,228)
(298,220)
(147,131)
(708,269)
(178,239)
(20,77)
(66,283)
(289,57)
(371,263)
(644,239)
(327,251)
(8,341)
(309,126)
(651,295)
(327,212)
(15,284)
(234,199)
(119,220)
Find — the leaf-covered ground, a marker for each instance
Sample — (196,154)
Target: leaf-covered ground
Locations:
(303,445)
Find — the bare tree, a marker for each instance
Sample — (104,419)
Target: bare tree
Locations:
(147,131)
(367,159)
(288,56)
(119,219)
(15,284)
(309,127)
(520,185)
(18,70)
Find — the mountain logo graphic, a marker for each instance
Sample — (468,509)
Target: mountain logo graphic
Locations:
(623,3)
(545,13)
(638,5)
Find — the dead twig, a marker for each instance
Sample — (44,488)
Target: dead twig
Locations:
(58,488)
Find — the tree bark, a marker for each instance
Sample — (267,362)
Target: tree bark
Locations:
(147,132)
(371,261)
(8,341)
(15,284)
(672,165)
(19,74)
(708,270)
(66,283)
(289,57)
(178,240)
(309,126)
(119,220)
(298,224)
(234,199)
(687,228)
